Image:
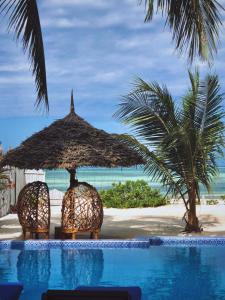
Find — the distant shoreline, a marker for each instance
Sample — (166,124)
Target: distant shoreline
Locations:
(102,178)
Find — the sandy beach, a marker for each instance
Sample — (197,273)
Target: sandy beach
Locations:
(133,222)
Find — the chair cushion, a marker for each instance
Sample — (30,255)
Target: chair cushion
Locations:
(134,291)
(10,291)
(85,295)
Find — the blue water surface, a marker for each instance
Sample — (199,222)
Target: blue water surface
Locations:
(103,178)
(161,272)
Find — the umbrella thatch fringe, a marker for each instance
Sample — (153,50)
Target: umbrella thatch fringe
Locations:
(70,143)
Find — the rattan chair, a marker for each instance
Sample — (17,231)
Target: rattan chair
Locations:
(33,208)
(82,211)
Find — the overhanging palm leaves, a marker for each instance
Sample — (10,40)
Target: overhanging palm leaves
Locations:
(24,21)
(194,24)
(181,143)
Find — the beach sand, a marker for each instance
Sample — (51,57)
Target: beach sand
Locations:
(133,222)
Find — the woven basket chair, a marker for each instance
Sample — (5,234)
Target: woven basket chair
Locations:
(82,211)
(33,208)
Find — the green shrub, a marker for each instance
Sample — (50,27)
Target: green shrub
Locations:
(223,198)
(212,202)
(132,194)
(4,180)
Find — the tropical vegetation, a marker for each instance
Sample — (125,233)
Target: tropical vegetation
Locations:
(132,194)
(4,179)
(181,141)
(212,202)
(25,23)
(195,25)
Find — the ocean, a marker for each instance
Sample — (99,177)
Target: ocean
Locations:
(102,178)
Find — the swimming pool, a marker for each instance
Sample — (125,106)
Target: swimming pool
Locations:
(164,267)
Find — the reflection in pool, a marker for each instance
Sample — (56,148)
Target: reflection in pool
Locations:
(33,270)
(81,266)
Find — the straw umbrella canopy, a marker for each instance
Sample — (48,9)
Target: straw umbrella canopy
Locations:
(70,143)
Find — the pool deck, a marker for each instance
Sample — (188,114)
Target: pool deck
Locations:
(130,223)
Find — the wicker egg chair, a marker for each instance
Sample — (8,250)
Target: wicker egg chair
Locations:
(33,208)
(82,211)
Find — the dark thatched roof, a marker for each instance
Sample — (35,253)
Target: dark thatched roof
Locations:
(69,143)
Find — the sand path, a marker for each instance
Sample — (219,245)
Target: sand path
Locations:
(130,223)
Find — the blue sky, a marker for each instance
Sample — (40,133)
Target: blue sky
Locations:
(96,48)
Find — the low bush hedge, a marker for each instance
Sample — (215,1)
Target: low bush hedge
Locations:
(132,194)
(212,202)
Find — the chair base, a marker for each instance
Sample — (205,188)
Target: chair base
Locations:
(65,233)
(35,233)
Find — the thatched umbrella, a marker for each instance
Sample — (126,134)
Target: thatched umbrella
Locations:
(71,143)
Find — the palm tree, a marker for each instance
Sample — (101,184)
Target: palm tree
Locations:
(195,24)
(25,23)
(181,142)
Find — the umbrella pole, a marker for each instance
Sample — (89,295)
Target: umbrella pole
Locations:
(73,180)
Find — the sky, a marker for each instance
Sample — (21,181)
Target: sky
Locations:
(96,48)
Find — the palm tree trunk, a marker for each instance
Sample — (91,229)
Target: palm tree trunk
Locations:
(192,220)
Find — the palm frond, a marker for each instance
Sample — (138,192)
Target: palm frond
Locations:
(203,126)
(150,110)
(189,100)
(195,25)
(181,146)
(209,108)
(25,23)
(158,167)
(210,142)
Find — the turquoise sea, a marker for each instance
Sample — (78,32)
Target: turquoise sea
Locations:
(102,178)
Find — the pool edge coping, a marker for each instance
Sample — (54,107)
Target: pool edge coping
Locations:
(137,242)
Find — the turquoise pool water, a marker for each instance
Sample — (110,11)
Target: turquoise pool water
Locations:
(102,178)
(161,272)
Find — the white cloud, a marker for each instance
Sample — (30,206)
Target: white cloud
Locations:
(74,3)
(97,52)
(14,80)
(111,14)
(108,76)
(13,67)
(64,23)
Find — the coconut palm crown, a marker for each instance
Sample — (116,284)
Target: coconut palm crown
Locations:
(181,142)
